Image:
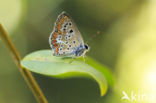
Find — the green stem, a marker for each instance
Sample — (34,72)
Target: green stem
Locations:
(26,74)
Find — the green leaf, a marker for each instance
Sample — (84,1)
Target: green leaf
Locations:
(43,62)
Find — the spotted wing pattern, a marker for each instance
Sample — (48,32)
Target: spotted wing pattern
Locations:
(65,37)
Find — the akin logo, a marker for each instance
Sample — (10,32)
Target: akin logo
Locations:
(137,97)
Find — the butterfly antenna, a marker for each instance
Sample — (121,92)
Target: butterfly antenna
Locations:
(93,36)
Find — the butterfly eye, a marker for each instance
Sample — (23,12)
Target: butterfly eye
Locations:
(86,47)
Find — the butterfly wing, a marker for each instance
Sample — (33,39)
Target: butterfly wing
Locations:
(65,37)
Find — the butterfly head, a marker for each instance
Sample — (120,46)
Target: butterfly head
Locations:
(87,48)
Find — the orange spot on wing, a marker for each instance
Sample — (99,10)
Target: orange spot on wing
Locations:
(64,32)
(54,41)
(57,51)
(55,35)
(59,32)
(61,21)
(55,45)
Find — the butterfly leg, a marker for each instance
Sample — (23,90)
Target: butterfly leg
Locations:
(84,58)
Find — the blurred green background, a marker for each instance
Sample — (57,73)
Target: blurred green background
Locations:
(126,44)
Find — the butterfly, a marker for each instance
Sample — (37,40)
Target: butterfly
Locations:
(65,39)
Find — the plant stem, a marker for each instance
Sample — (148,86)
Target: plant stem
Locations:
(26,74)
